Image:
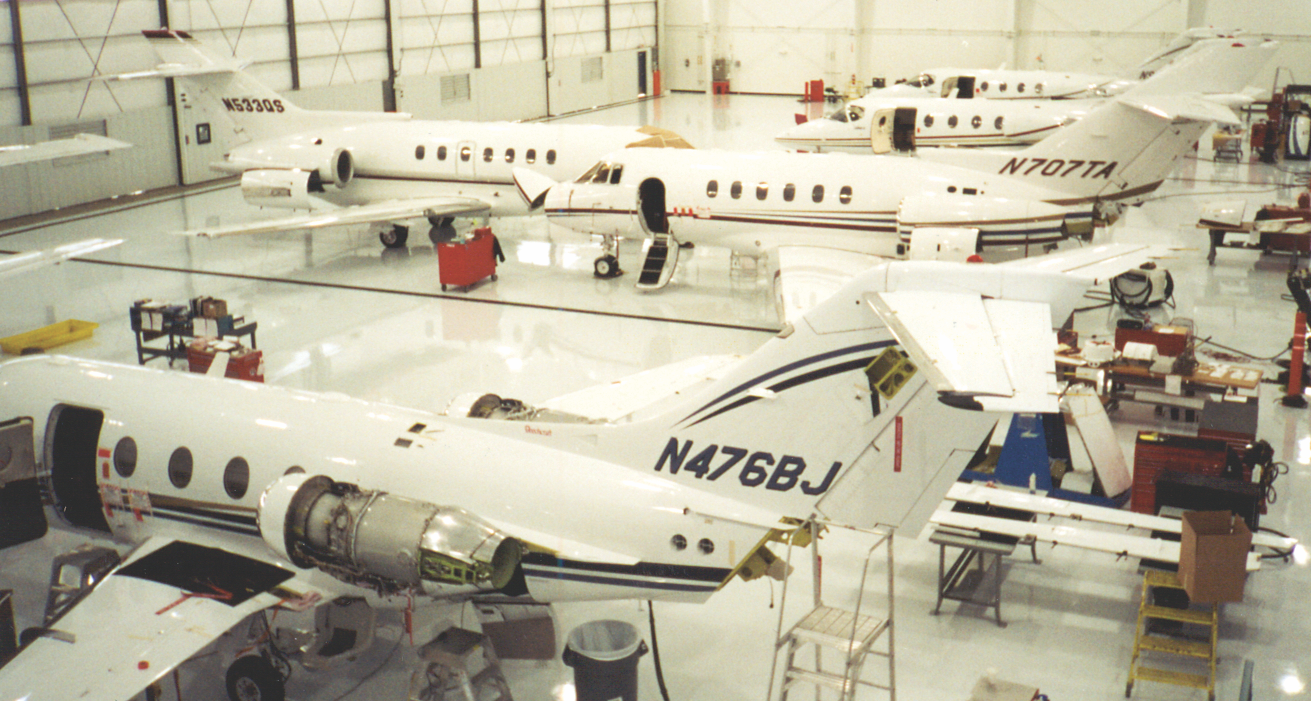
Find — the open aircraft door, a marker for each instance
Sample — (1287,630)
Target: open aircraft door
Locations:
(892,130)
(72,450)
(22,517)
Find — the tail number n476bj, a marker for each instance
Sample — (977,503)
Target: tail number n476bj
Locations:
(756,467)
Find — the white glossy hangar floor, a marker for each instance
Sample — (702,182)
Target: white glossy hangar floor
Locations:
(337,314)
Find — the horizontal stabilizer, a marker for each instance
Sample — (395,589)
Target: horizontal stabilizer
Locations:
(1177,108)
(77,145)
(1094,263)
(996,352)
(808,275)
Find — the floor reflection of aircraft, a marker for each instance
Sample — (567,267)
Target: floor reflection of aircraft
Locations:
(377,168)
(841,205)
(239,497)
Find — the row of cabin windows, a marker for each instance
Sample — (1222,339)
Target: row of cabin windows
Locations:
(789,191)
(976,122)
(1019,87)
(489,154)
(236,475)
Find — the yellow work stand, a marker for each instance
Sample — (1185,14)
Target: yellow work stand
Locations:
(1175,646)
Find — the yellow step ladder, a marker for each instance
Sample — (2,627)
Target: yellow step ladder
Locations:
(1181,647)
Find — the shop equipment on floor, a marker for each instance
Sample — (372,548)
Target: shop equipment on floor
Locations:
(852,634)
(1156,584)
(466,263)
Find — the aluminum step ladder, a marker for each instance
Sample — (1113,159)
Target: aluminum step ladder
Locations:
(659,258)
(1163,646)
(850,634)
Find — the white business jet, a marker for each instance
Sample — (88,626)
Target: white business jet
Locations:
(838,205)
(238,497)
(385,169)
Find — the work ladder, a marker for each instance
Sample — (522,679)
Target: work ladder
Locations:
(851,634)
(1178,646)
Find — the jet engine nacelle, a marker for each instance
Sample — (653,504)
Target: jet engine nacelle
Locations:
(1001,222)
(289,189)
(383,541)
(324,164)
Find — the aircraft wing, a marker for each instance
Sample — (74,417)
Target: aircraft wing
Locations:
(392,210)
(1096,263)
(77,145)
(167,601)
(998,353)
(808,275)
(35,259)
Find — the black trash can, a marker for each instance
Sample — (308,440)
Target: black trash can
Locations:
(604,656)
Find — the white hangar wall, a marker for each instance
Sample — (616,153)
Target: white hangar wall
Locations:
(775,47)
(454,59)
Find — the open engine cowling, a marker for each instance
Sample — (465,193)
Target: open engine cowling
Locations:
(1000,221)
(383,541)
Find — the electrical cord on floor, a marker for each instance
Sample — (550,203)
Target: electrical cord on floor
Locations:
(655,652)
(1276,553)
(1245,354)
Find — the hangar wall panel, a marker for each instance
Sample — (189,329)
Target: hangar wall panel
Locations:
(505,92)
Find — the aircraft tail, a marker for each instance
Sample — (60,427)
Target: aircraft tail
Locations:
(1177,48)
(839,416)
(256,110)
(1125,149)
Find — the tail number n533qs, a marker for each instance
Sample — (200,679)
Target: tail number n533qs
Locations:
(757,468)
(252,104)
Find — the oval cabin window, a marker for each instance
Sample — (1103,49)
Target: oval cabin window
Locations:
(236,477)
(179,468)
(125,456)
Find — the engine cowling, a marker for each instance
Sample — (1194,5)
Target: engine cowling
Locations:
(1001,222)
(383,541)
(289,189)
(326,165)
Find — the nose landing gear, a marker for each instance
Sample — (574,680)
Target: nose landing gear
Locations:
(607,265)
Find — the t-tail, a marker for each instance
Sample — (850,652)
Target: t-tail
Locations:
(853,414)
(256,110)
(1126,148)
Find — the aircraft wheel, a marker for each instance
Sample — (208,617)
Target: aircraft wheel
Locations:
(441,233)
(606,266)
(394,237)
(252,678)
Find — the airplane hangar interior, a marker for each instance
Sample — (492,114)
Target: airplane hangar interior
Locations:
(581,350)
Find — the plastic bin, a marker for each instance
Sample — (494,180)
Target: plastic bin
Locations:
(604,656)
(48,337)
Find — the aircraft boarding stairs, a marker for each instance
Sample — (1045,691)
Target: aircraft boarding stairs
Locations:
(850,635)
(659,258)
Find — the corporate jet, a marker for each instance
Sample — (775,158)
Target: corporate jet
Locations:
(835,205)
(384,169)
(238,497)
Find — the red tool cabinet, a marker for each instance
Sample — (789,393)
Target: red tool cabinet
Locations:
(468,263)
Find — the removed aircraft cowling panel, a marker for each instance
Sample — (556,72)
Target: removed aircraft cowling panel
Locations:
(660,138)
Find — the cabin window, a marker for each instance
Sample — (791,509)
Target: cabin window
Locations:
(531,156)
(1001,87)
(509,155)
(983,85)
(712,188)
(179,468)
(844,195)
(236,477)
(487,155)
(951,121)
(603,174)
(550,157)
(125,456)
(997,123)
(817,194)
(466,153)
(928,121)
(1038,88)
(418,152)
(1019,88)
(789,192)
(441,153)
(735,190)
(616,172)
(762,191)
(951,188)
(976,122)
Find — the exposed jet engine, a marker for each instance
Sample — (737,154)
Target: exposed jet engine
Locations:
(384,541)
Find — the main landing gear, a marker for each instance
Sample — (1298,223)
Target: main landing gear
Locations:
(607,265)
(395,237)
(442,229)
(253,678)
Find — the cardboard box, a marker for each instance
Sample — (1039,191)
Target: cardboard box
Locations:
(1213,556)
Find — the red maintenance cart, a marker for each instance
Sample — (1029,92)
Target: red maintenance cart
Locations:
(465,264)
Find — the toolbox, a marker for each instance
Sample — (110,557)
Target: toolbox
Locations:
(464,264)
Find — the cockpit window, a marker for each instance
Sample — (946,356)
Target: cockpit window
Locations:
(602,175)
(922,80)
(855,112)
(591,173)
(838,116)
(616,172)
